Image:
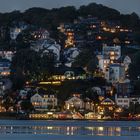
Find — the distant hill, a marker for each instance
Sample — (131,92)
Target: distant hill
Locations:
(51,18)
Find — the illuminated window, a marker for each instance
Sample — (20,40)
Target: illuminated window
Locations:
(112,53)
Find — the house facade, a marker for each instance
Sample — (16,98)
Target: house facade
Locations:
(122,101)
(43,102)
(74,102)
(47,45)
(41,34)
(115,73)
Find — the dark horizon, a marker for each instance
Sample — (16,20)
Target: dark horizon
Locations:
(22,5)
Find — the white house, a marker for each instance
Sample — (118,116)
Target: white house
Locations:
(15,31)
(7,55)
(55,49)
(74,102)
(115,73)
(122,101)
(48,45)
(70,54)
(43,102)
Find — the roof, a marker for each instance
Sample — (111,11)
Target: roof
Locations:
(122,58)
(115,65)
(43,94)
(108,101)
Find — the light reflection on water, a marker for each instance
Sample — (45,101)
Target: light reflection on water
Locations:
(72,130)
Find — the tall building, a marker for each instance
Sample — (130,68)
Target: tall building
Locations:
(111,52)
(115,73)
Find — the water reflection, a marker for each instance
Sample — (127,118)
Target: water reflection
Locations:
(71,130)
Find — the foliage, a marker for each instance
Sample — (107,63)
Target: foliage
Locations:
(92,95)
(50,19)
(107,112)
(86,59)
(24,39)
(137,87)
(28,65)
(26,106)
(134,68)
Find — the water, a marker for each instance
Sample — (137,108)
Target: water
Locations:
(69,128)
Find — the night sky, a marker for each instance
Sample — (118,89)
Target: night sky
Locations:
(124,6)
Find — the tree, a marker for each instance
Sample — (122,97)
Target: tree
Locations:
(18,79)
(86,59)
(137,87)
(24,39)
(137,109)
(28,65)
(108,112)
(27,106)
(134,68)
(92,95)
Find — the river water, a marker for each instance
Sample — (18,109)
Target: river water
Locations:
(55,130)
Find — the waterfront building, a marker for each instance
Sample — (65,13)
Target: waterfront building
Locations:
(122,101)
(43,102)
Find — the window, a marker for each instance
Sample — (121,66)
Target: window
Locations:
(120,101)
(125,101)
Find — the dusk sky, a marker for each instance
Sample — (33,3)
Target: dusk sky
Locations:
(124,6)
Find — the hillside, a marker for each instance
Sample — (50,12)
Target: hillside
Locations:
(52,18)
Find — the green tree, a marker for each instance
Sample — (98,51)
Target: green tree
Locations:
(27,106)
(134,68)
(86,59)
(28,65)
(92,95)
(24,39)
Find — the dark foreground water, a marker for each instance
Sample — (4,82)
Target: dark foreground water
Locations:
(52,130)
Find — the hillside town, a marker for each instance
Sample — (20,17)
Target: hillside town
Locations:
(83,72)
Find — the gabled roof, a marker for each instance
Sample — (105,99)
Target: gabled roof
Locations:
(42,94)
(122,58)
(107,101)
(73,98)
(115,65)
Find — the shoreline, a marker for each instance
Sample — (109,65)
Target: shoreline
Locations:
(14,118)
